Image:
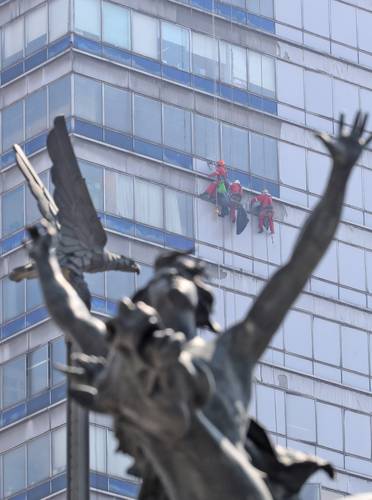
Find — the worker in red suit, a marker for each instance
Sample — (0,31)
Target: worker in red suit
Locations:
(221,176)
(263,204)
(235,195)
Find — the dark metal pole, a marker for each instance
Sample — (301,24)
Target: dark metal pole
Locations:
(77,443)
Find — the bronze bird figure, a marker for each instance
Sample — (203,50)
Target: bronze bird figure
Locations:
(81,239)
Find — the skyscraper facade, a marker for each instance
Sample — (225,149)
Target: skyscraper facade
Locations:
(153,91)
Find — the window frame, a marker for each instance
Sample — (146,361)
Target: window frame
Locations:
(187,67)
(3,367)
(29,443)
(30,368)
(158,44)
(21,188)
(12,450)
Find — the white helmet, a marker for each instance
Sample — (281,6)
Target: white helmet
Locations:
(265,191)
(236,182)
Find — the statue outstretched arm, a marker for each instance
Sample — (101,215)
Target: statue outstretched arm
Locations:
(254,333)
(64,304)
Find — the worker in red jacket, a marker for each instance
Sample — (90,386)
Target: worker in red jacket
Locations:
(263,204)
(221,176)
(235,195)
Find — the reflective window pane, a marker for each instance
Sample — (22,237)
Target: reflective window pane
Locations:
(117,462)
(14,470)
(206,137)
(255,71)
(354,349)
(267,8)
(148,203)
(38,370)
(233,64)
(253,6)
(300,418)
(119,194)
(266,405)
(179,212)
(175,46)
(34,294)
(58,18)
(145,33)
(261,74)
(119,285)
(96,283)
(14,381)
(329,426)
(147,118)
(177,128)
(59,450)
(358,434)
(118,109)
(38,460)
(97,448)
(12,36)
(116,25)
(36,29)
(268,76)
(58,356)
(326,338)
(298,344)
(88,99)
(36,112)
(261,7)
(93,176)
(264,156)
(13,299)
(13,210)
(235,147)
(88,17)
(204,55)
(13,132)
(59,98)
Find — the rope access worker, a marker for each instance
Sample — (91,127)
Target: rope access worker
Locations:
(220,173)
(263,204)
(217,191)
(235,194)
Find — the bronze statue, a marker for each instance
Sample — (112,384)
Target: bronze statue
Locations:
(179,402)
(81,239)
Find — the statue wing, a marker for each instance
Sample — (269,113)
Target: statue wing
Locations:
(44,199)
(45,202)
(82,236)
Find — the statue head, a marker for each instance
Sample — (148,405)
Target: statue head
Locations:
(179,294)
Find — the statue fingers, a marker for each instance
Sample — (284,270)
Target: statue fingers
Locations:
(356,125)
(341,124)
(363,124)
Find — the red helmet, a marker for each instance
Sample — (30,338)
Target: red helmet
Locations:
(220,163)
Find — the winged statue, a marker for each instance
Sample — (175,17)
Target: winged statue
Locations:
(81,239)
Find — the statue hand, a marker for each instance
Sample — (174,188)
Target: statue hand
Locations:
(346,148)
(41,241)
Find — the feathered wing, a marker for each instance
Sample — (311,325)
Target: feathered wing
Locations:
(82,238)
(45,202)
